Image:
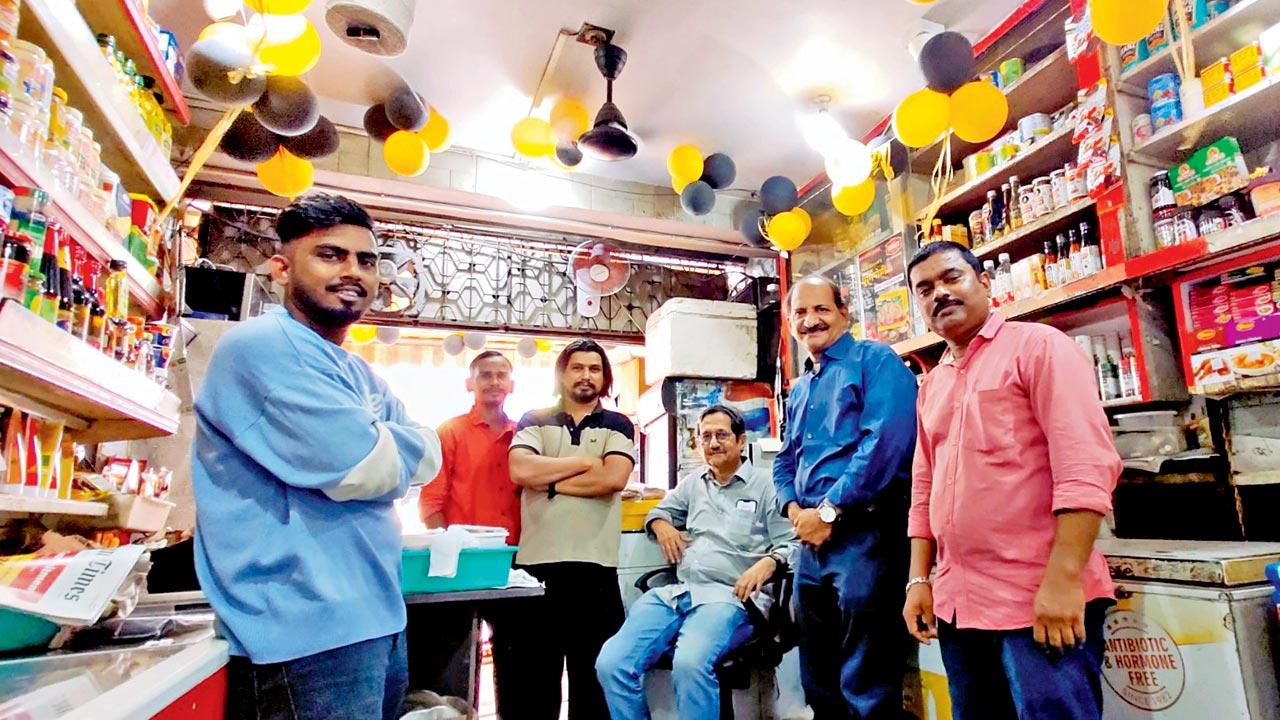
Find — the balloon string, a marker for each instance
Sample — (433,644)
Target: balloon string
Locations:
(939,180)
(201,157)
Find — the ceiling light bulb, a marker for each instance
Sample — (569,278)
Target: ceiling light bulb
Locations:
(849,164)
(821,131)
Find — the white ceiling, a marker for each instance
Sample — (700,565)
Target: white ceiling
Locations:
(726,75)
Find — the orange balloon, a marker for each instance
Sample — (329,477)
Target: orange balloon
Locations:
(436,132)
(854,199)
(286,174)
(532,137)
(979,111)
(406,153)
(921,118)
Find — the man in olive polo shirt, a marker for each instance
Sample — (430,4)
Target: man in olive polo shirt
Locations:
(572,461)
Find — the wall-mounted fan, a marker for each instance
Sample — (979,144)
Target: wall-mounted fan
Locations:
(596,272)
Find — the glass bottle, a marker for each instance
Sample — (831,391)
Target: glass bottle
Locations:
(1004,279)
(1065,271)
(66,294)
(997,213)
(1015,209)
(1050,264)
(50,289)
(33,295)
(1079,266)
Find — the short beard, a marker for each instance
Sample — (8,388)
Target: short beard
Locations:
(320,316)
(583,396)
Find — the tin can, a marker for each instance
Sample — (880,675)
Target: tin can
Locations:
(1157,40)
(1077,188)
(1007,148)
(1033,127)
(1164,88)
(977,165)
(1058,186)
(1128,56)
(1011,71)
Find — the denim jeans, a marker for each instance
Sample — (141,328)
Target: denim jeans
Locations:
(364,681)
(701,636)
(1004,674)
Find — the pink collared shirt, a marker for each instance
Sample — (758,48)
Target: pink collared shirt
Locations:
(1007,436)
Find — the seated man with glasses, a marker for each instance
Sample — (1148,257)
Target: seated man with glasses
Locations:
(720,526)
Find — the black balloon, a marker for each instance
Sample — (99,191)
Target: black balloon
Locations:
(406,110)
(376,123)
(697,198)
(750,227)
(778,195)
(897,152)
(568,154)
(288,107)
(320,141)
(947,62)
(213,62)
(718,171)
(247,140)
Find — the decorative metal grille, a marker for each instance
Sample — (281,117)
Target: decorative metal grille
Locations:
(445,276)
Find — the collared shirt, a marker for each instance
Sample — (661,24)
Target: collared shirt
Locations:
(1010,434)
(566,528)
(730,527)
(474,485)
(300,453)
(850,428)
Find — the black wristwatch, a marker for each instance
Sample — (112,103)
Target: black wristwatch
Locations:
(551,491)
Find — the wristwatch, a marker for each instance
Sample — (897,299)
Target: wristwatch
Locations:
(828,513)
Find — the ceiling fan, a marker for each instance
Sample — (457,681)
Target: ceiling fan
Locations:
(609,139)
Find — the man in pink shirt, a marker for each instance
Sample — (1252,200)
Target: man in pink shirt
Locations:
(1013,473)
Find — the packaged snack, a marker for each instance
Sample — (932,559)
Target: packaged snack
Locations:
(1210,173)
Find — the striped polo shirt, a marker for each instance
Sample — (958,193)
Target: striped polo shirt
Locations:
(566,528)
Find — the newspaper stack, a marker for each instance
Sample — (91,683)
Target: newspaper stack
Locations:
(68,588)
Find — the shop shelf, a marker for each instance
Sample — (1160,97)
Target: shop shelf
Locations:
(1216,39)
(918,343)
(1052,152)
(1250,117)
(1202,249)
(1046,87)
(49,372)
(80,69)
(1268,477)
(1047,224)
(19,504)
(22,170)
(136,36)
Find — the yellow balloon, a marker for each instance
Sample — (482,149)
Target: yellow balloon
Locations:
(804,218)
(406,153)
(921,118)
(285,174)
(436,132)
(786,231)
(532,137)
(543,345)
(362,334)
(979,111)
(569,119)
(295,57)
(278,7)
(1121,22)
(679,184)
(685,163)
(854,199)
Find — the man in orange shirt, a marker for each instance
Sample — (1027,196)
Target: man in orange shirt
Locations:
(473,488)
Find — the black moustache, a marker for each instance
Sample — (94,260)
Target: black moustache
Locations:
(944,305)
(816,328)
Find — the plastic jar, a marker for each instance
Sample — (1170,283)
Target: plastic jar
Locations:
(28,126)
(35,73)
(9,78)
(9,11)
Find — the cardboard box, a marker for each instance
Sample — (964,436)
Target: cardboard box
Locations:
(1215,74)
(1243,332)
(1246,79)
(1210,173)
(1214,94)
(1246,57)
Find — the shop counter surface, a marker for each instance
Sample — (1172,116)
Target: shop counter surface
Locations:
(472,595)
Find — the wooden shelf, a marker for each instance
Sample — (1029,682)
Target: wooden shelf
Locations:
(1053,151)
(1218,38)
(1046,87)
(49,372)
(134,34)
(87,229)
(1047,224)
(1204,249)
(21,504)
(1250,117)
(1268,477)
(80,69)
(918,343)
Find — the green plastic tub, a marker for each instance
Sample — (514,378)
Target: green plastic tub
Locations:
(478,569)
(19,630)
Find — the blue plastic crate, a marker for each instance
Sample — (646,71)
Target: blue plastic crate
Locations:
(19,630)
(478,569)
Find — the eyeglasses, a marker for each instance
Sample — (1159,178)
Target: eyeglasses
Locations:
(719,436)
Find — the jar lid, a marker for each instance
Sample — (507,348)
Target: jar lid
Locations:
(28,47)
(60,93)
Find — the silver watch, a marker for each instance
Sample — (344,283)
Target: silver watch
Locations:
(828,513)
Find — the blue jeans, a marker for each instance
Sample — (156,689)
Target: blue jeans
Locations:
(1004,675)
(364,681)
(701,636)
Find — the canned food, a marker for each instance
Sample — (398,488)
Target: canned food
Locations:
(1058,186)
(1034,127)
(1011,71)
(1128,56)
(1007,148)
(977,165)
(1166,114)
(1164,88)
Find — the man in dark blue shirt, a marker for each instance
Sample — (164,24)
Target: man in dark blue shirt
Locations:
(843,478)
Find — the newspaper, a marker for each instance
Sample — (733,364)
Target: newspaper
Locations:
(68,588)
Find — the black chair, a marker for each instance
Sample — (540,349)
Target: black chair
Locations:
(773,635)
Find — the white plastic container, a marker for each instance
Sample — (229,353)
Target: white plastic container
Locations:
(1151,419)
(700,339)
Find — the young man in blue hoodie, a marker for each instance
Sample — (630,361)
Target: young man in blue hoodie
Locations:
(300,453)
